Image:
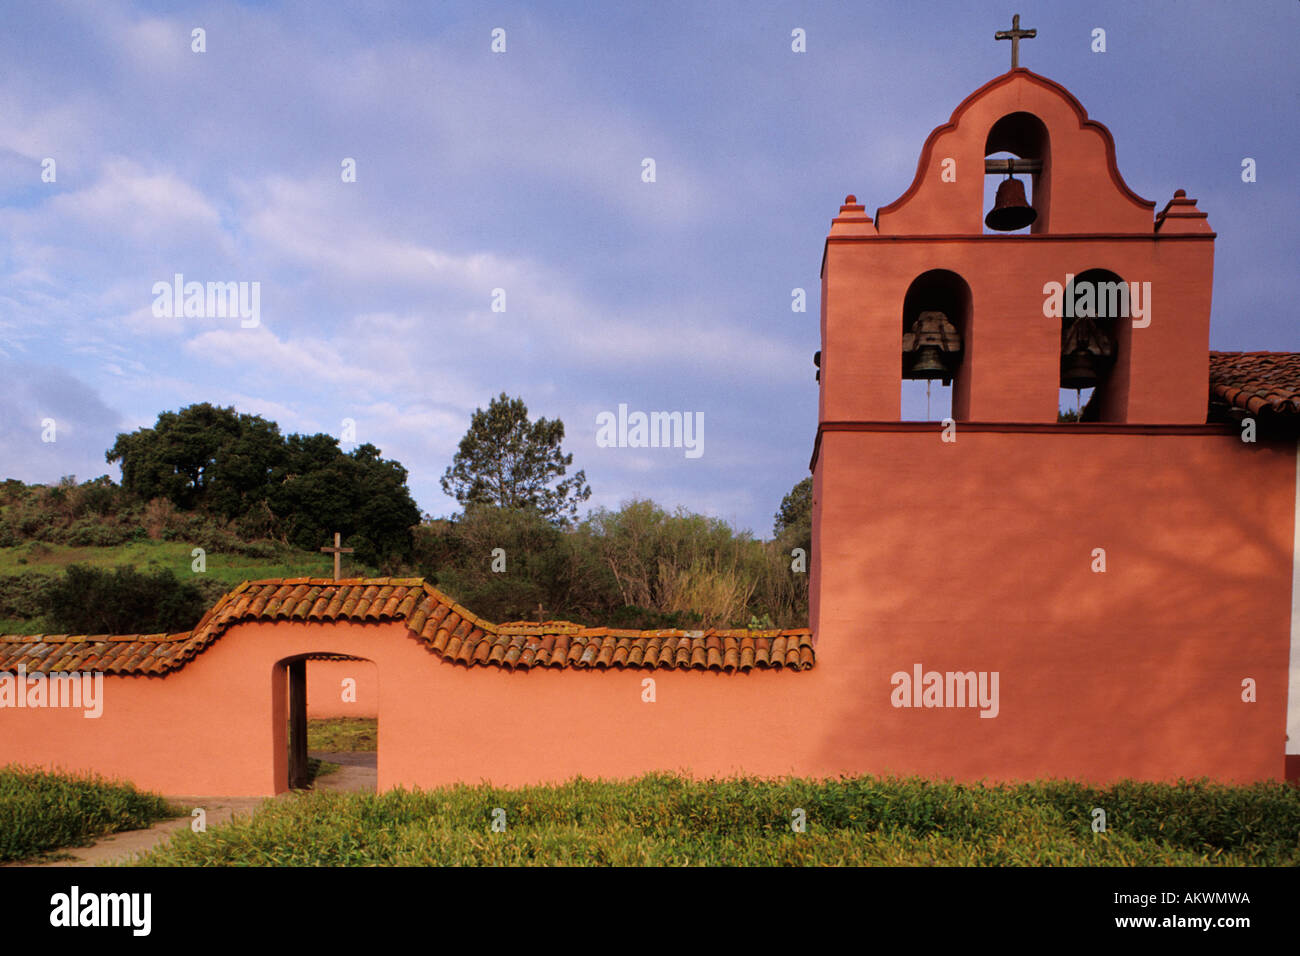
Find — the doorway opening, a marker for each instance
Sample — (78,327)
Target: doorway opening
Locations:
(327,723)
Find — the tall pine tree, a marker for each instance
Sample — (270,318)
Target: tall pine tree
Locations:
(507,461)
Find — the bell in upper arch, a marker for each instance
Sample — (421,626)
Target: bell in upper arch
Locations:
(1010,210)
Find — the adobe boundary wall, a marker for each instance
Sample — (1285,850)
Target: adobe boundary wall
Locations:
(962,558)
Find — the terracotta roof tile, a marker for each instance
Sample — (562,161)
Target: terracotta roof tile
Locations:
(449,630)
(406,606)
(1257,382)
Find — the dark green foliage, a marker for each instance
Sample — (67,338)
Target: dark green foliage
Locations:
(202,456)
(507,461)
(793,531)
(1261,822)
(667,820)
(41,812)
(93,513)
(122,601)
(238,469)
(795,513)
(358,494)
(101,514)
(11,490)
(541,564)
(25,595)
(638,567)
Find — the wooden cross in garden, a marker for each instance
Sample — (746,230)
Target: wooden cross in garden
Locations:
(1015,35)
(336,551)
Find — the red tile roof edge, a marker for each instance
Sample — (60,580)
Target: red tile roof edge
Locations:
(450,631)
(1257,382)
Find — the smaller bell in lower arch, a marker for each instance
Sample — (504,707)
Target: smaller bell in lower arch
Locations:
(931,347)
(1086,352)
(1080,370)
(927,363)
(1010,210)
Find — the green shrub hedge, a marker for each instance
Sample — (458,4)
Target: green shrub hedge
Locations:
(668,820)
(41,811)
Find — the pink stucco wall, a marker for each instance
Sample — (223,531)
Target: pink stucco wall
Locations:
(979,554)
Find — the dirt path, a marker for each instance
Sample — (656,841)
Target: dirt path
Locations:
(359,773)
(119,847)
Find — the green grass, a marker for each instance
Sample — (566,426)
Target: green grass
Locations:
(665,820)
(152,555)
(23,569)
(22,625)
(43,812)
(338,734)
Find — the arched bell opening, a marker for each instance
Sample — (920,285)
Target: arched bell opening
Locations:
(935,333)
(1093,304)
(1017,180)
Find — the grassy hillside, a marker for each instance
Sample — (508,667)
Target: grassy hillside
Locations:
(638,567)
(47,529)
(26,568)
(149,555)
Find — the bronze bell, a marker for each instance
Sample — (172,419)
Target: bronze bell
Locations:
(931,347)
(1010,209)
(1086,352)
(1079,370)
(928,363)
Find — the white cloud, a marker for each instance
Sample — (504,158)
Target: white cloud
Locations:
(128,200)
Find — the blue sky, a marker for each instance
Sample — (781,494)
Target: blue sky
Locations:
(522,171)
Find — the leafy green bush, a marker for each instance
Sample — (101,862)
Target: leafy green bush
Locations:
(122,601)
(94,533)
(42,811)
(638,567)
(25,595)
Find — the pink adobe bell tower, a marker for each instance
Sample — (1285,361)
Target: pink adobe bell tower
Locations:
(1087,219)
(1082,561)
